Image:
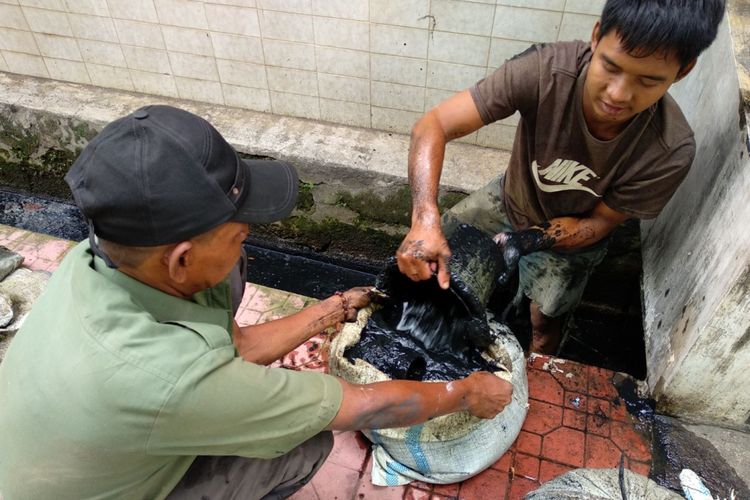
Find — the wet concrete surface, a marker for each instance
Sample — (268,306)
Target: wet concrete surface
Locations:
(675,447)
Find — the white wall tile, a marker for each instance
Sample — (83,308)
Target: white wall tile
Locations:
(349,113)
(463,17)
(139,34)
(3,64)
(109,76)
(342,9)
(187,40)
(247,98)
(145,59)
(237,48)
(591,7)
(134,10)
(58,47)
(243,74)
(44,4)
(344,88)
(18,41)
(558,5)
(296,6)
(501,50)
(577,26)
(398,40)
(154,83)
(394,69)
(342,62)
(457,48)
(229,19)
(295,105)
(526,24)
(393,120)
(396,96)
(294,81)
(192,66)
(93,27)
(47,21)
(11,16)
(66,70)
(433,97)
(102,53)
(236,3)
(289,54)
(449,76)
(25,64)
(199,90)
(411,13)
(184,13)
(341,33)
(92,7)
(496,135)
(284,26)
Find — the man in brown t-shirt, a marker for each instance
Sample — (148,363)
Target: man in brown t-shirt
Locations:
(599,141)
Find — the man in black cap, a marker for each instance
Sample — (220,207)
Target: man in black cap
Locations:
(130,378)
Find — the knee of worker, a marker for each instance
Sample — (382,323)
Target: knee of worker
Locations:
(551,284)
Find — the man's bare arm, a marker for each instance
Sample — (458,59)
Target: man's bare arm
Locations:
(560,233)
(400,403)
(425,251)
(267,342)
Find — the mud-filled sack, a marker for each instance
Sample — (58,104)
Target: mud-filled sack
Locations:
(602,484)
(424,333)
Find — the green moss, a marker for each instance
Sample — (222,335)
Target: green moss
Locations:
(305,200)
(395,208)
(333,236)
(450,199)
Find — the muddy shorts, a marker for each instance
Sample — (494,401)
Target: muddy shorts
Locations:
(552,280)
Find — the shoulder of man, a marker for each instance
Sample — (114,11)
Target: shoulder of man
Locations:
(569,57)
(669,124)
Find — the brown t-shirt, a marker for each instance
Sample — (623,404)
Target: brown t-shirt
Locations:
(557,167)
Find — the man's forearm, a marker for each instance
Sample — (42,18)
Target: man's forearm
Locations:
(267,342)
(571,233)
(426,154)
(399,403)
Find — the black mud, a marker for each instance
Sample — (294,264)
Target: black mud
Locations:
(423,333)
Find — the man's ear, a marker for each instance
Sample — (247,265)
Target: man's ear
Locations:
(595,36)
(685,70)
(178,261)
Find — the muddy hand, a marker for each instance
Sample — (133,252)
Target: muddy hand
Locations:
(516,244)
(423,254)
(488,394)
(355,299)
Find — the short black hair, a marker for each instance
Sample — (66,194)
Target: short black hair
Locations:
(684,28)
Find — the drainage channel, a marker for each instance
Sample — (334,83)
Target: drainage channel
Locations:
(268,266)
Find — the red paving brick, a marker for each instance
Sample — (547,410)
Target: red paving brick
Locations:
(564,445)
(550,470)
(575,415)
(526,466)
(574,419)
(601,453)
(529,443)
(490,485)
(544,387)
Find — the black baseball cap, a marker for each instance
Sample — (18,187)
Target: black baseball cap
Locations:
(162,175)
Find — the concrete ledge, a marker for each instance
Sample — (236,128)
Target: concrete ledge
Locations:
(311,145)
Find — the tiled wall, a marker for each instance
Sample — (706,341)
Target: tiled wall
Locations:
(368,63)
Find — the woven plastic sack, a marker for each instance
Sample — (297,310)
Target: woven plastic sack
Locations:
(601,484)
(446,449)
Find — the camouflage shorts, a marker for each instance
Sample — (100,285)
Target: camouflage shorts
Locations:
(554,281)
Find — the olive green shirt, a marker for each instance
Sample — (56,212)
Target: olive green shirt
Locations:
(111,388)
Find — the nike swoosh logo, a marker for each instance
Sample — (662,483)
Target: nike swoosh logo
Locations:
(573,184)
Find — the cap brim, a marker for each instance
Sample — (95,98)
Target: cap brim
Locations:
(274,186)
